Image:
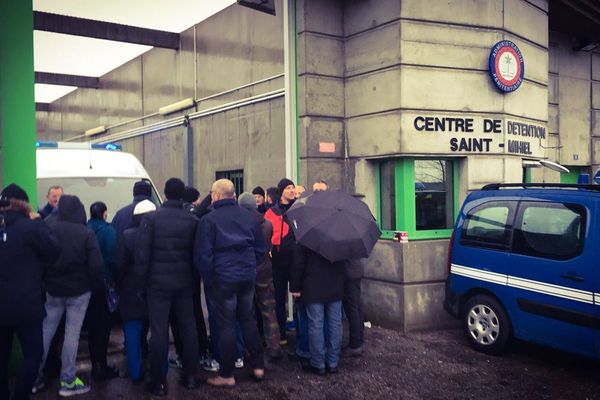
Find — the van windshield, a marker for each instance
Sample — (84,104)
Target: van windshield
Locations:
(114,192)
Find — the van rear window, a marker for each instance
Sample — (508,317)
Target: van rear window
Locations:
(549,230)
(489,225)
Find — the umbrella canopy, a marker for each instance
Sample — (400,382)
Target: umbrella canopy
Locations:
(334,224)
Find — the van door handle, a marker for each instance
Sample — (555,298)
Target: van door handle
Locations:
(572,277)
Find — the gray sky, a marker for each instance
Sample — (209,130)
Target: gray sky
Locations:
(67,54)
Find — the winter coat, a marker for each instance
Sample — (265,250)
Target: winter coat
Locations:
(107,240)
(123,218)
(354,269)
(204,207)
(283,239)
(317,279)
(165,245)
(229,244)
(28,247)
(46,211)
(131,286)
(79,267)
(264,269)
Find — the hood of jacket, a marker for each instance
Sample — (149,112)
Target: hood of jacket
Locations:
(97,224)
(15,210)
(70,209)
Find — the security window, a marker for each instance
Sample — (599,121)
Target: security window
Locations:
(549,230)
(417,196)
(489,225)
(236,176)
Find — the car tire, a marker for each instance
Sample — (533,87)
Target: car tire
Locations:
(486,324)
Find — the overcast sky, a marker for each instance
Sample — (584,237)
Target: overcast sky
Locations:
(74,55)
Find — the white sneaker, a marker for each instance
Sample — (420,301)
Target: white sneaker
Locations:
(39,385)
(74,388)
(239,363)
(212,366)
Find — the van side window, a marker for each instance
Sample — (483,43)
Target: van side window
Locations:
(489,225)
(549,230)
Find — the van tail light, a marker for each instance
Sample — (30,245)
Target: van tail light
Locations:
(449,265)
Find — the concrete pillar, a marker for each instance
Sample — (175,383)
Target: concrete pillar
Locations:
(17,105)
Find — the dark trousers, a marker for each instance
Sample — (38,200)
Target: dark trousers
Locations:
(159,307)
(354,312)
(30,337)
(235,301)
(99,323)
(281,276)
(200,324)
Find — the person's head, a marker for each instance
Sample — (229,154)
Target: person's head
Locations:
(98,210)
(221,190)
(174,189)
(191,195)
(299,190)
(320,186)
(142,188)
(259,195)
(247,201)
(14,192)
(53,195)
(272,196)
(287,190)
(142,208)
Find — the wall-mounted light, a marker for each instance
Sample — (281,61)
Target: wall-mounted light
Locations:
(95,131)
(180,105)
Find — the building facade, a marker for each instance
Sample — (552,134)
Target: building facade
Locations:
(395,104)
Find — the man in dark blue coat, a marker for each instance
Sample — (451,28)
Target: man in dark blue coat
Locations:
(123,218)
(229,244)
(25,246)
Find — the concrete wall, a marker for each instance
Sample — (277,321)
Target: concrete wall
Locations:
(235,47)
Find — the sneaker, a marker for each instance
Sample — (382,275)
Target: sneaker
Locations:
(175,362)
(239,363)
(39,385)
(213,366)
(74,388)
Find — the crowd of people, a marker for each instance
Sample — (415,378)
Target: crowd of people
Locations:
(148,266)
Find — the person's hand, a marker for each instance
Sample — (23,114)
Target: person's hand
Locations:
(296,294)
(33,215)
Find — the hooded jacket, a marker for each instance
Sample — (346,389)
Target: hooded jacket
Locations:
(79,267)
(282,239)
(130,285)
(28,247)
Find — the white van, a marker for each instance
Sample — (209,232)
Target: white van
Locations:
(93,172)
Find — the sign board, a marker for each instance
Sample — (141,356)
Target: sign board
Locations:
(471,134)
(506,66)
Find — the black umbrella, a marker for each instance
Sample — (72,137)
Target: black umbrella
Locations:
(334,224)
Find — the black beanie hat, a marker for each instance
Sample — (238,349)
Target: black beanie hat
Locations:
(13,191)
(190,194)
(174,189)
(142,188)
(285,182)
(259,190)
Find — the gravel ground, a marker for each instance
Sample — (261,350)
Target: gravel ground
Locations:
(424,365)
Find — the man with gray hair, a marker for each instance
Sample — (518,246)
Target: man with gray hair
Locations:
(229,244)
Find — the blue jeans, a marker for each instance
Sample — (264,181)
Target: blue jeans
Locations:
(324,348)
(133,347)
(214,329)
(75,307)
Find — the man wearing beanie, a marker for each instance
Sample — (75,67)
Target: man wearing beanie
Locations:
(259,198)
(25,247)
(284,243)
(164,255)
(123,218)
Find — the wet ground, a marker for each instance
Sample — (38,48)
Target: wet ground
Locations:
(425,365)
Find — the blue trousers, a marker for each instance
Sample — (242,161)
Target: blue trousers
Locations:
(301,319)
(214,328)
(133,331)
(325,348)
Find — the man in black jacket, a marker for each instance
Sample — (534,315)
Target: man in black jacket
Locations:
(25,246)
(69,283)
(164,255)
(122,219)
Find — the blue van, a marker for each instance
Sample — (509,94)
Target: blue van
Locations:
(524,262)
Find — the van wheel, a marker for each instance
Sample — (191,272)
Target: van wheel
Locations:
(486,324)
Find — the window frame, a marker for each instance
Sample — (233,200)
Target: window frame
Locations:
(229,174)
(513,209)
(404,182)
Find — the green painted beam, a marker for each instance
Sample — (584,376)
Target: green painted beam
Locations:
(17,105)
